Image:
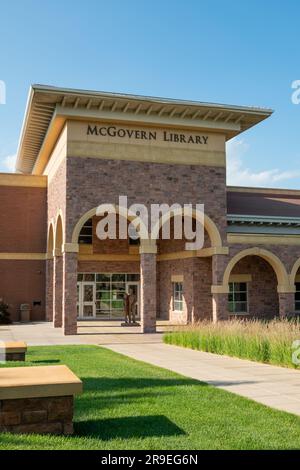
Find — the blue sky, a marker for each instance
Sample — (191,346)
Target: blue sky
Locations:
(244,53)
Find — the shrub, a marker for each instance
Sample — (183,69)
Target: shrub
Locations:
(4,314)
(267,342)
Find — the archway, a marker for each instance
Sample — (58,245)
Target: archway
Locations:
(59,235)
(50,240)
(209,225)
(273,260)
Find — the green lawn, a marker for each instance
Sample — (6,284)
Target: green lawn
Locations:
(131,405)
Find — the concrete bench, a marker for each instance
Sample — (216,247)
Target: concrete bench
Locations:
(15,350)
(38,399)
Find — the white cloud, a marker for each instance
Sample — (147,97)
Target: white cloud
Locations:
(239,175)
(9,162)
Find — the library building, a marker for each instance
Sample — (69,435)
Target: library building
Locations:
(79,149)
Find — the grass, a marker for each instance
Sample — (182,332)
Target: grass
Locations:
(128,404)
(269,342)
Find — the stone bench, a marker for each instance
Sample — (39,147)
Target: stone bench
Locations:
(37,399)
(14,350)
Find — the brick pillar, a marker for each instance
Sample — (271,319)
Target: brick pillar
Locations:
(69,295)
(218,290)
(57,291)
(219,306)
(286,304)
(49,289)
(148,287)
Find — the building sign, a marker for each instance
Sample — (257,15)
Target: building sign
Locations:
(111,131)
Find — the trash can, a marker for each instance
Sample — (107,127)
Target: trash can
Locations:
(25,313)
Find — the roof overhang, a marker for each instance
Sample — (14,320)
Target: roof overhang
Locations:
(48,108)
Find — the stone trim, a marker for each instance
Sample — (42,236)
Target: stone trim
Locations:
(70,248)
(36,382)
(23,256)
(240,278)
(17,180)
(271,239)
(177,278)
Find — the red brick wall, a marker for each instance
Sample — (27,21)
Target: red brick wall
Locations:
(92,181)
(23,219)
(132,267)
(57,192)
(23,282)
(23,228)
(196,288)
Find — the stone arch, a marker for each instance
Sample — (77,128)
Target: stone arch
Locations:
(50,239)
(209,225)
(91,213)
(294,271)
(59,234)
(273,260)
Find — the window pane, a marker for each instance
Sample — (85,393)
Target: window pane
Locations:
(118,277)
(103,286)
(89,277)
(103,277)
(120,286)
(240,297)
(241,307)
(133,277)
(117,304)
(241,286)
(103,295)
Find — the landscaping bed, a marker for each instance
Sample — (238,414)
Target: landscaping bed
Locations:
(268,342)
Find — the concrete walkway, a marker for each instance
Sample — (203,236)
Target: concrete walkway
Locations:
(276,387)
(89,332)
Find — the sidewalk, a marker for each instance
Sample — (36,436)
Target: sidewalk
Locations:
(273,386)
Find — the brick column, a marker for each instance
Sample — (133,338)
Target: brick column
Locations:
(286,303)
(49,289)
(218,290)
(57,291)
(69,296)
(148,252)
(219,305)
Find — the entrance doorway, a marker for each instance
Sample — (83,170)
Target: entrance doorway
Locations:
(102,296)
(86,295)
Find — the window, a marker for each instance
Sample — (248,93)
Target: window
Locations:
(177,296)
(297,297)
(86,233)
(238,297)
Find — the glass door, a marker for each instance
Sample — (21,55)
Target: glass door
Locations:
(86,300)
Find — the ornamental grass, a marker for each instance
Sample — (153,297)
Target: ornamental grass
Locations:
(272,342)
